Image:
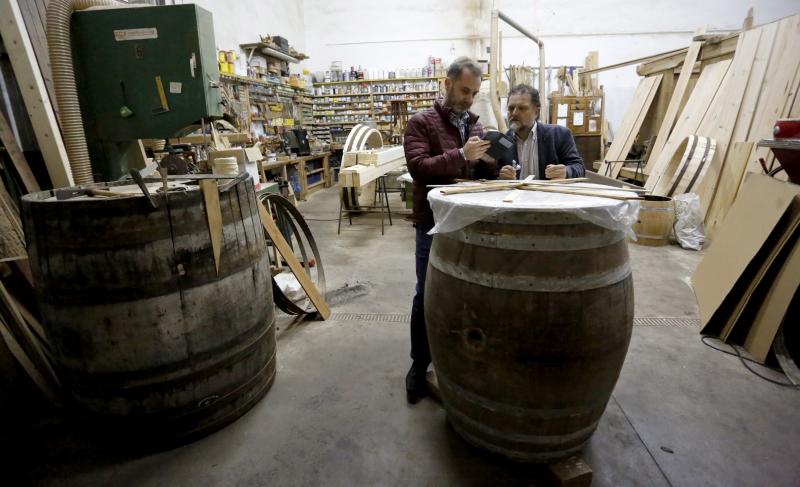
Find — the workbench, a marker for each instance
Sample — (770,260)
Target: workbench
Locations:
(305,188)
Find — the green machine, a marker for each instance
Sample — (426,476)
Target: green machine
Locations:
(142,73)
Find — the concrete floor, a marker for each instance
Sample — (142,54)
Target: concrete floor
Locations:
(681,414)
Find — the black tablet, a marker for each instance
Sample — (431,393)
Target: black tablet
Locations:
(500,143)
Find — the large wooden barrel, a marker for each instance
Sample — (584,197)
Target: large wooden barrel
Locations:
(150,340)
(529,315)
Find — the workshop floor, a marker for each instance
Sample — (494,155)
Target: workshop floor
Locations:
(682,414)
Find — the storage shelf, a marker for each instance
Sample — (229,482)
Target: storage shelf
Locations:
(315,171)
(384,80)
(318,183)
(341,95)
(338,109)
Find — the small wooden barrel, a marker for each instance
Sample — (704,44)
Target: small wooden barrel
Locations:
(149,339)
(529,315)
(656,217)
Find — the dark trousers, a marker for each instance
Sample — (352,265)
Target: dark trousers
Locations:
(420,350)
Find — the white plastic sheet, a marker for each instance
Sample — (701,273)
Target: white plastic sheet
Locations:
(689,229)
(456,211)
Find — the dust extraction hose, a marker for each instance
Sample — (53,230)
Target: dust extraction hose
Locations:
(59,14)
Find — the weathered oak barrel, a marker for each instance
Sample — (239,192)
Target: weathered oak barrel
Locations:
(529,315)
(150,340)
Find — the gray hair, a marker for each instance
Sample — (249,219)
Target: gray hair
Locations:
(459,65)
(522,89)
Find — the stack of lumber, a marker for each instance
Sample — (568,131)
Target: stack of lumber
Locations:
(749,276)
(358,175)
(24,352)
(729,92)
(377,157)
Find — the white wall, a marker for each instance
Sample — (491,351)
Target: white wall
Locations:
(398,34)
(387,35)
(244,21)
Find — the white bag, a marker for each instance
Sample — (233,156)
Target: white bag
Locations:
(689,230)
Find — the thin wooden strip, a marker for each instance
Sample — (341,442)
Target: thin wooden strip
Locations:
(17,157)
(577,192)
(297,269)
(675,102)
(17,325)
(12,238)
(214,216)
(26,363)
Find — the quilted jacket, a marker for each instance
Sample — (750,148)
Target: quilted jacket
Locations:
(431,145)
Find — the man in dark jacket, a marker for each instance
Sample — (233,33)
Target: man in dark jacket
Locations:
(441,145)
(542,150)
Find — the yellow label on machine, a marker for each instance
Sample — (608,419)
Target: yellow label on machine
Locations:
(161,94)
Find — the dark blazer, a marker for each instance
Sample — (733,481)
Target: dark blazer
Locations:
(555,146)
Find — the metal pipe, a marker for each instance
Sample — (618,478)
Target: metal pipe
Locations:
(494,59)
(544,113)
(59,16)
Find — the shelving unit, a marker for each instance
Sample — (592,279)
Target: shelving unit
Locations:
(348,103)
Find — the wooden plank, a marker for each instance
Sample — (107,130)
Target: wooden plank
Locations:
(707,86)
(720,120)
(40,109)
(777,87)
(214,215)
(17,158)
(12,238)
(26,363)
(18,327)
(296,267)
(728,186)
(629,128)
(674,103)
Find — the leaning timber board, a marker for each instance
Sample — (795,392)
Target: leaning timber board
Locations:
(675,102)
(777,87)
(629,128)
(693,112)
(721,117)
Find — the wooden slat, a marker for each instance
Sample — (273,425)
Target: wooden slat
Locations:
(12,238)
(210,192)
(777,86)
(17,157)
(707,86)
(297,268)
(16,324)
(38,104)
(629,128)
(735,163)
(674,103)
(720,120)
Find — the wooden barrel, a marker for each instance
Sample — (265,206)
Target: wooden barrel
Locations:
(654,224)
(529,316)
(149,339)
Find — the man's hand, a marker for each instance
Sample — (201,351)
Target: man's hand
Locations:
(555,171)
(475,148)
(507,172)
(488,158)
